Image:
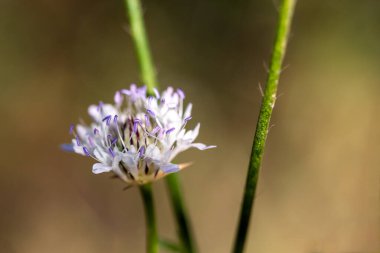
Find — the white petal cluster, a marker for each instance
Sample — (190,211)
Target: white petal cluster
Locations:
(137,137)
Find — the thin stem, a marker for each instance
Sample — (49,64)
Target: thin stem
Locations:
(279,48)
(148,73)
(151,228)
(183,228)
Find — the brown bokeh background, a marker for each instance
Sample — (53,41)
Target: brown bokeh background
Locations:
(319,189)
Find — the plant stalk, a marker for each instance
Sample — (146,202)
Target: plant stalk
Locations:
(183,227)
(148,76)
(151,228)
(140,41)
(262,127)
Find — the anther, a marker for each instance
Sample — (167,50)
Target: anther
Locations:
(78,141)
(107,119)
(170,130)
(151,113)
(85,150)
(111,152)
(187,119)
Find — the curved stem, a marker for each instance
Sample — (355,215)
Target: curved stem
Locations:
(148,73)
(279,48)
(183,227)
(151,228)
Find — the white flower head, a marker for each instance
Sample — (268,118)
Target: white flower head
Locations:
(137,137)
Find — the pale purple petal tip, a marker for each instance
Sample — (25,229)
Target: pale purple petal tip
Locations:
(156,93)
(126,92)
(67,147)
(181,94)
(118,98)
(100,106)
(169,168)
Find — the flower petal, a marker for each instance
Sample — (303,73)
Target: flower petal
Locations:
(67,147)
(202,146)
(98,168)
(169,168)
(188,111)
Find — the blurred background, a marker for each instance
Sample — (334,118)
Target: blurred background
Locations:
(319,188)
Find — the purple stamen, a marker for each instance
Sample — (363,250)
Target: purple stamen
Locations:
(115,119)
(111,152)
(114,140)
(107,119)
(180,93)
(187,119)
(100,106)
(78,141)
(141,151)
(96,131)
(170,130)
(71,129)
(137,120)
(90,141)
(85,150)
(147,122)
(151,113)
(163,100)
(161,133)
(155,130)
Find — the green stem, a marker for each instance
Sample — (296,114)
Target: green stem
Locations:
(148,73)
(279,48)
(183,228)
(151,228)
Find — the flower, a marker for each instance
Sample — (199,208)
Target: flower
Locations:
(138,137)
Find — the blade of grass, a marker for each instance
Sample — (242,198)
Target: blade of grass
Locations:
(269,98)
